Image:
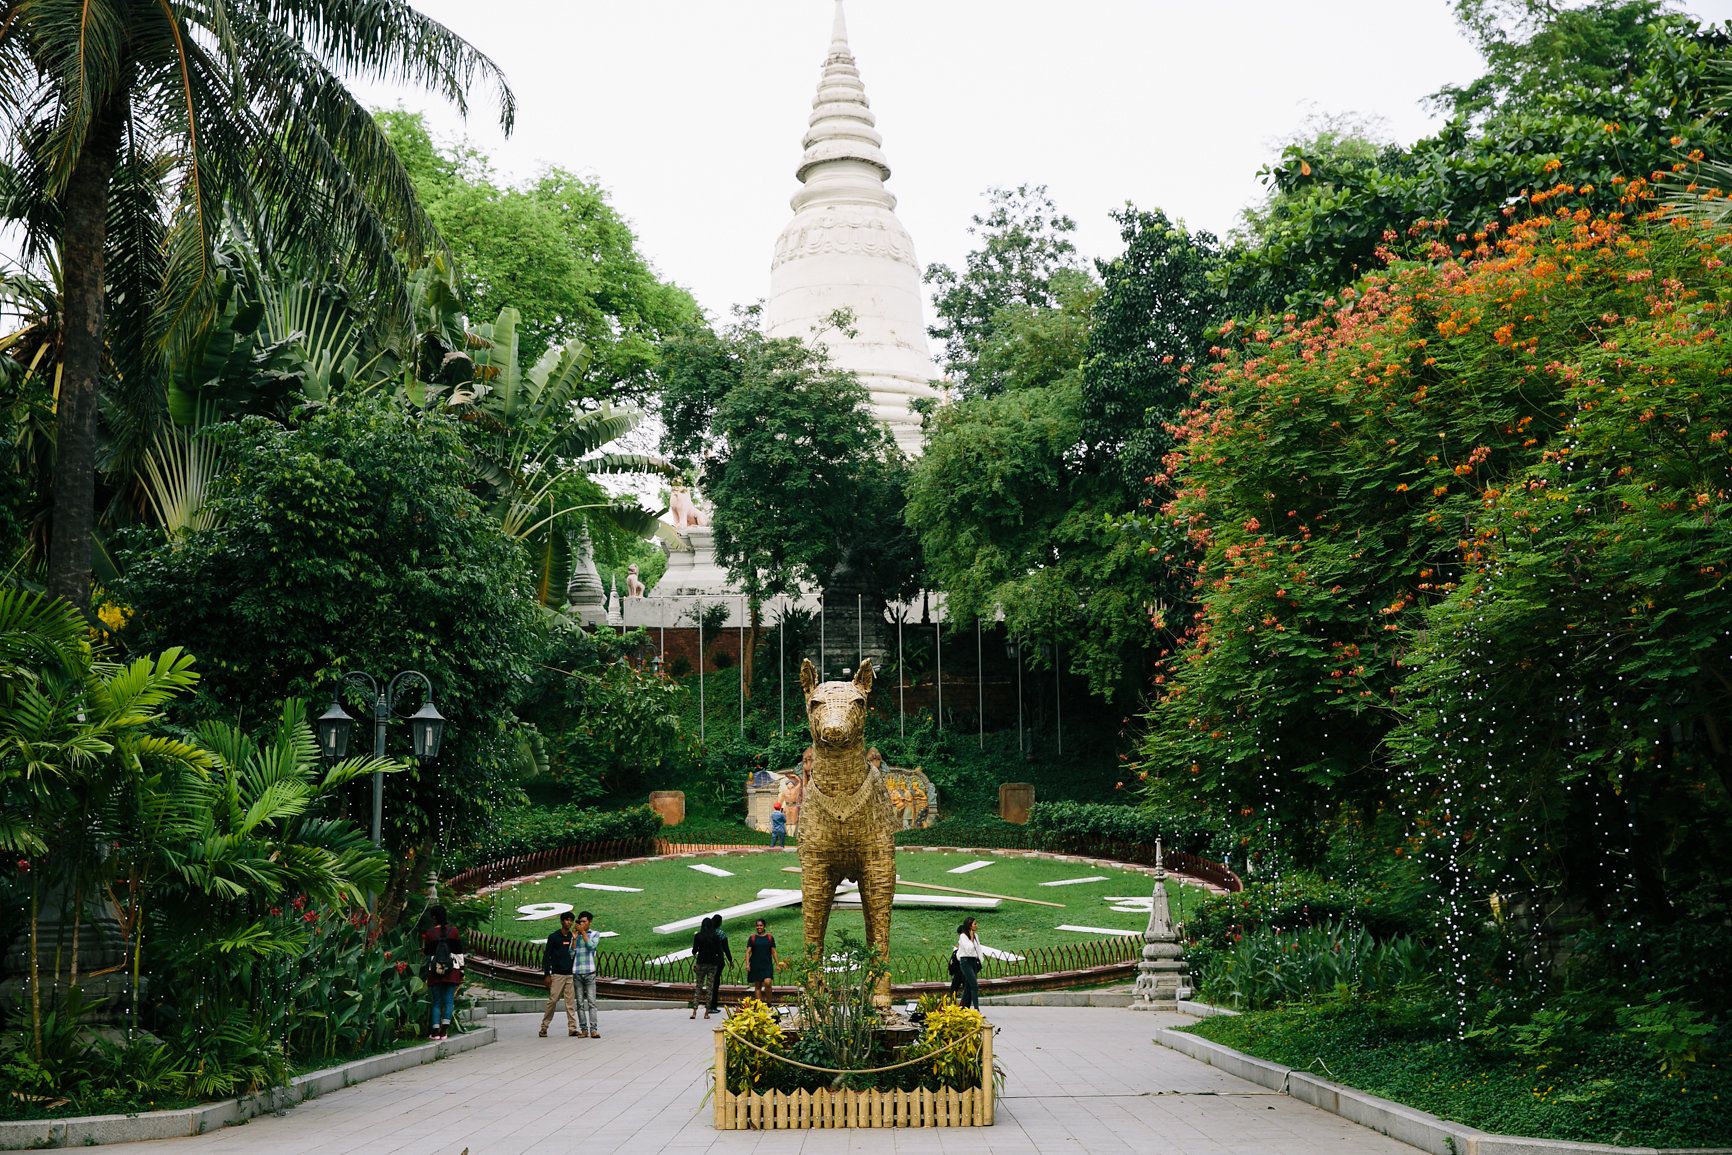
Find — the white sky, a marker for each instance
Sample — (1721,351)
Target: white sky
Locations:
(690,112)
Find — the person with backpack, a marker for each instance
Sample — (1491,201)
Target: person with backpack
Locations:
(968,959)
(709,949)
(442,948)
(556,968)
(778,826)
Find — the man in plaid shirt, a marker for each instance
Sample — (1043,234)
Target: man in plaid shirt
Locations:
(583,974)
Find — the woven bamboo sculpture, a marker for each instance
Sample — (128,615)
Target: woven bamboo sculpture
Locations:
(846,820)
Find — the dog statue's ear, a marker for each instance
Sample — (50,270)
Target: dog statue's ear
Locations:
(808,676)
(863,678)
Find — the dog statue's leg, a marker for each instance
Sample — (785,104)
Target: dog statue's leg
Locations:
(877,890)
(817,894)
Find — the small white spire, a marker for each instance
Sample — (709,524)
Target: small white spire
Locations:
(839,31)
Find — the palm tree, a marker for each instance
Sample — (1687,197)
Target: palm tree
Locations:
(221,107)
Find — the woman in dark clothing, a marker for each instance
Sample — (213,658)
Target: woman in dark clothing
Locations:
(707,958)
(761,961)
(442,947)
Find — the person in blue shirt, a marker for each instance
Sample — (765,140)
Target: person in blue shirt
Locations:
(778,826)
(583,949)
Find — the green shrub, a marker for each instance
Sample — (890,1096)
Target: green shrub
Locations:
(527,829)
(1290,903)
(1564,1082)
(1082,826)
(1267,967)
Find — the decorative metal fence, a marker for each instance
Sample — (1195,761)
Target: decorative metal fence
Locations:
(640,966)
(543,860)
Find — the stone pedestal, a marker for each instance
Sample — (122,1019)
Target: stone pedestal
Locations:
(1015,800)
(670,804)
(101,948)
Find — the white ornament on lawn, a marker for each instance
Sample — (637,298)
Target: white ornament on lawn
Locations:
(536,911)
(708,869)
(969,868)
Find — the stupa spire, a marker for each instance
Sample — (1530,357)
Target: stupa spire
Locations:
(845,248)
(839,31)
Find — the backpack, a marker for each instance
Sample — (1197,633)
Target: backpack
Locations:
(440,963)
(955,967)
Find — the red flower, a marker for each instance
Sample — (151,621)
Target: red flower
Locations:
(24,865)
(310,916)
(275,911)
(401,967)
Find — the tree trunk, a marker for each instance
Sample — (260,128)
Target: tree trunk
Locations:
(755,618)
(83,238)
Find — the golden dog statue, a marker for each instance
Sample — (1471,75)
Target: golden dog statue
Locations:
(845,817)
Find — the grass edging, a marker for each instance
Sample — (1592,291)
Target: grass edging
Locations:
(1414,1127)
(91,1130)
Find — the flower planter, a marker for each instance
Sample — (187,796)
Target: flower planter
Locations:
(780,1110)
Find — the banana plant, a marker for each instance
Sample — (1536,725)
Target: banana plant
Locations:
(538,448)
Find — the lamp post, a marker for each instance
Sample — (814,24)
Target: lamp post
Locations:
(426,727)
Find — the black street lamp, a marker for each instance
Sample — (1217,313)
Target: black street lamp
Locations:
(426,727)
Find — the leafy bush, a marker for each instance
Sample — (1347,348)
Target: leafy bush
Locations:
(946,1023)
(747,1070)
(1588,1085)
(1081,826)
(527,829)
(1266,967)
(1291,903)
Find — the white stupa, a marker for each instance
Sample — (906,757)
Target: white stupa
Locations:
(845,248)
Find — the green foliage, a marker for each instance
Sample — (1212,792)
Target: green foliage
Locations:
(1458,539)
(1018,500)
(944,1023)
(348,542)
(553,248)
(1677,1033)
(838,1020)
(1267,967)
(1295,902)
(1603,1086)
(527,829)
(747,1070)
(606,726)
(800,474)
(1576,95)
(1075,826)
(1024,249)
(1149,333)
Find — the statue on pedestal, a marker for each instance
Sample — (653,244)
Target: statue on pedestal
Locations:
(846,826)
(633,584)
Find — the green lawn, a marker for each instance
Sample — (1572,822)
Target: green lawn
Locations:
(672,890)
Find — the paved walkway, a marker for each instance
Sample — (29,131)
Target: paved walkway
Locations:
(1078,1079)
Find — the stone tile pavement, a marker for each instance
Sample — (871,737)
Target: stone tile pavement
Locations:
(1079,1079)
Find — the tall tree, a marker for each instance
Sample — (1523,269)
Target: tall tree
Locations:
(1023,249)
(243,104)
(1591,97)
(799,472)
(554,249)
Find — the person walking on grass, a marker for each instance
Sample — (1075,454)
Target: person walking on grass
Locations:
(707,963)
(761,961)
(556,969)
(442,950)
(583,972)
(968,959)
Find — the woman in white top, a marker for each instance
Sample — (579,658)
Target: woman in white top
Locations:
(968,958)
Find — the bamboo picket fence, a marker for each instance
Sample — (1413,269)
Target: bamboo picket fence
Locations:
(784,1110)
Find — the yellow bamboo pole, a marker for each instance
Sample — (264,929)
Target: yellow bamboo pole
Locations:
(977,893)
(722,1116)
(986,1075)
